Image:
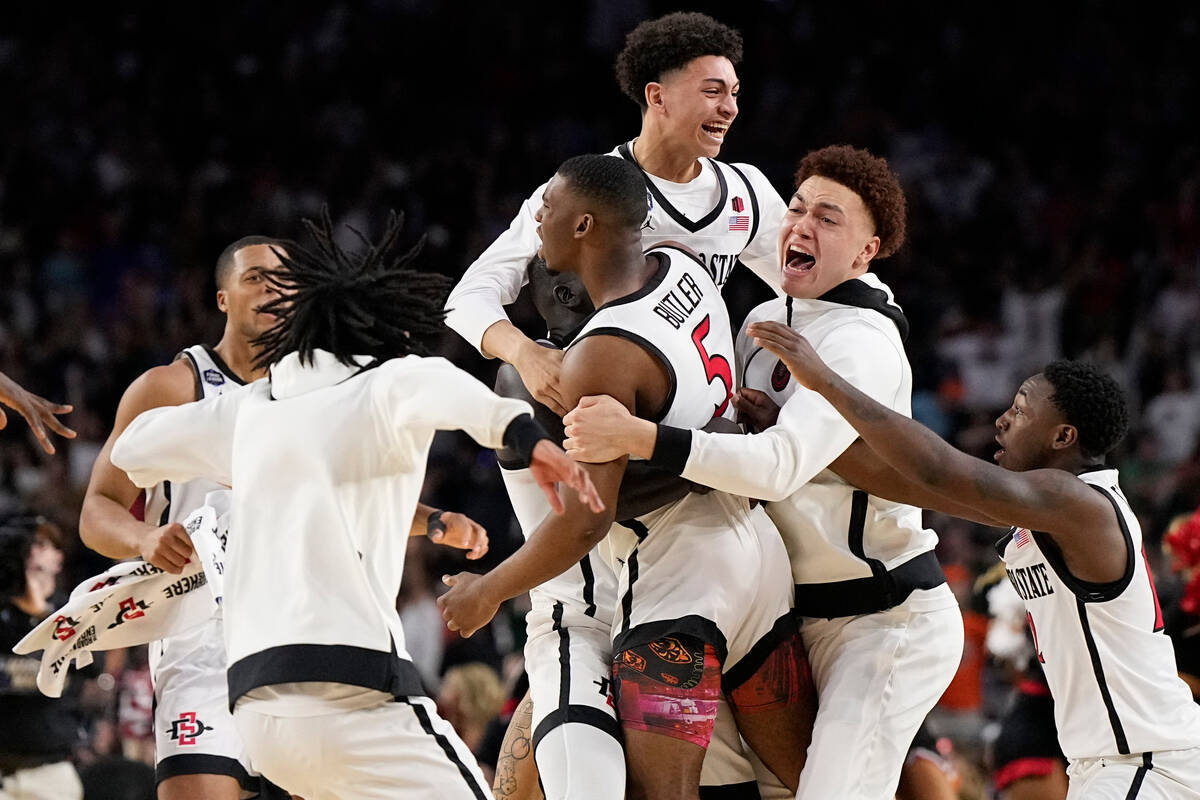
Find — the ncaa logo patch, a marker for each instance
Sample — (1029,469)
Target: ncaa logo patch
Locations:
(780,376)
(214,377)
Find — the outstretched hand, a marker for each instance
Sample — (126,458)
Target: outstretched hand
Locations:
(793,350)
(460,531)
(37,411)
(466,607)
(550,464)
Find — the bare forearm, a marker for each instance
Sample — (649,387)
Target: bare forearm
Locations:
(906,445)
(504,341)
(107,527)
(554,547)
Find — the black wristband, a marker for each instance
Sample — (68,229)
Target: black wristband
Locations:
(434,524)
(521,435)
(672,447)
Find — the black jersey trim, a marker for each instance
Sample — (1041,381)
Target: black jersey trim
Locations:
(580,714)
(1139,776)
(627,153)
(631,564)
(195,374)
(448,749)
(165,516)
(1091,591)
(649,347)
(381,670)
(655,281)
(784,628)
(753,202)
(221,365)
(204,764)
(1098,671)
(855,292)
(1002,543)
(589,585)
(564,656)
(695,625)
(731,791)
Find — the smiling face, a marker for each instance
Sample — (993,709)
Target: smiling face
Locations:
(697,104)
(1033,430)
(827,237)
(246,289)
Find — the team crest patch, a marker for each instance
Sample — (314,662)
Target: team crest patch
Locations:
(187,728)
(738,205)
(780,376)
(214,377)
(671,651)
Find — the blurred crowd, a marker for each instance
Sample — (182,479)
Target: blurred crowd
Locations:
(1052,172)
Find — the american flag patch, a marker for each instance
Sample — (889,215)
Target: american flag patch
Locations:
(1022,537)
(739,223)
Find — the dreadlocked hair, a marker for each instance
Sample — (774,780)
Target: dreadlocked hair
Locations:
(367,303)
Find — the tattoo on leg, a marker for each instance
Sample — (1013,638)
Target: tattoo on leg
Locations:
(515,752)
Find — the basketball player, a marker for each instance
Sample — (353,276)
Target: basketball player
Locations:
(1075,555)
(578,746)
(324,457)
(680,71)
(703,584)
(198,752)
(883,630)
(37,411)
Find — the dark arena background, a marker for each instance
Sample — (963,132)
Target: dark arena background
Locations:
(1051,158)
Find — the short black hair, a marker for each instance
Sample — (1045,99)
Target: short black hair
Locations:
(657,46)
(615,186)
(225,260)
(1090,400)
(366,303)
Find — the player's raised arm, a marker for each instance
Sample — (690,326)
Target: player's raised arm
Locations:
(1051,500)
(560,541)
(182,443)
(39,412)
(475,307)
(808,436)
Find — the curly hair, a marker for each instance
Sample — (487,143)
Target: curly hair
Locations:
(871,179)
(657,46)
(1091,401)
(360,304)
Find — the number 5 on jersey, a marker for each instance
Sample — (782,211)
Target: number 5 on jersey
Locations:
(716,366)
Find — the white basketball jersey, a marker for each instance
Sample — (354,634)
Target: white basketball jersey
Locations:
(172,502)
(719,232)
(679,318)
(1107,661)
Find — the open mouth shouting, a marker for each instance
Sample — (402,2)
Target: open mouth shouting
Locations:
(798,261)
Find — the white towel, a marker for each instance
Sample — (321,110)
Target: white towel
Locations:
(132,603)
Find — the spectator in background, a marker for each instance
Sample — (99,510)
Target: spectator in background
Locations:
(470,697)
(39,734)
(1182,543)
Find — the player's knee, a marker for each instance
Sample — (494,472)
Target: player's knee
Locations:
(782,679)
(669,686)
